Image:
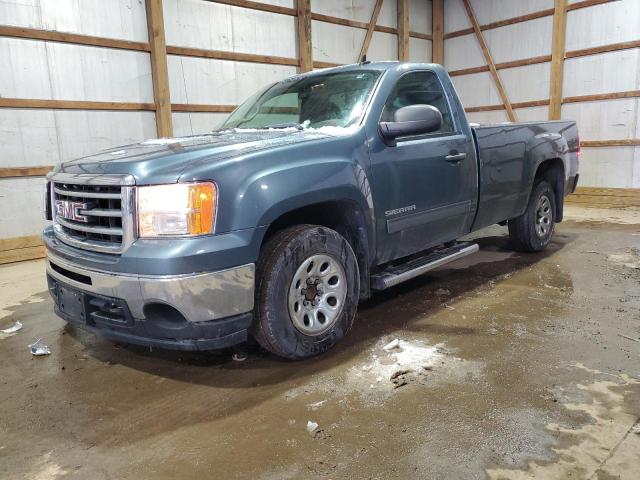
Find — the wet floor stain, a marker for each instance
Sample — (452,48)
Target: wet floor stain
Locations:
(507,366)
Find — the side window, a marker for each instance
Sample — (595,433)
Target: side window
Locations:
(419,88)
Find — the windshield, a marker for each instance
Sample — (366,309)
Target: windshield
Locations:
(334,99)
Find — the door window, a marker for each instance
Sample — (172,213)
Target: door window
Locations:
(419,88)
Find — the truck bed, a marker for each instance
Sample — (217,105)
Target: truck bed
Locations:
(508,156)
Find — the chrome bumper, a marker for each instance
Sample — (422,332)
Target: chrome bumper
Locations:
(199,297)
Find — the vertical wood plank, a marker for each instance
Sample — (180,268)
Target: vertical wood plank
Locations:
(403,30)
(557,59)
(159,71)
(372,26)
(437,31)
(489,59)
(305,52)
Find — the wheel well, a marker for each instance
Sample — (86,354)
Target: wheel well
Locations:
(552,171)
(345,217)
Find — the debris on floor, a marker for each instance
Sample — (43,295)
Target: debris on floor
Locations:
(38,348)
(312,427)
(443,292)
(239,356)
(391,345)
(315,406)
(13,329)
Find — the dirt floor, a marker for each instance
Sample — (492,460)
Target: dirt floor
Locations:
(507,366)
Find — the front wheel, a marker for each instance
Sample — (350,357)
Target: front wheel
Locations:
(306,291)
(532,231)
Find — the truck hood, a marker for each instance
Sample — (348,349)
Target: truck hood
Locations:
(163,160)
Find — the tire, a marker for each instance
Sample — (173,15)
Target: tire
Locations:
(532,231)
(325,266)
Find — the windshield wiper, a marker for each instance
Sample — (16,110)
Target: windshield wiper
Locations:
(285,125)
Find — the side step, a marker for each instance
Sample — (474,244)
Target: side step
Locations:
(417,266)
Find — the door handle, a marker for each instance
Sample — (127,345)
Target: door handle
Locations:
(455,158)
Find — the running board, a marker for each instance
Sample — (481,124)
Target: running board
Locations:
(400,273)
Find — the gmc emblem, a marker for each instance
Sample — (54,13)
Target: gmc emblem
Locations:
(71,210)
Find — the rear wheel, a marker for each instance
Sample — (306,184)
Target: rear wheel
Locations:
(532,231)
(306,292)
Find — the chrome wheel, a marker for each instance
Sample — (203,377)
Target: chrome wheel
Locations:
(317,294)
(544,217)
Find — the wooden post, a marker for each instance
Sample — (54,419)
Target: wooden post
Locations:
(437,31)
(372,26)
(403,30)
(489,60)
(159,71)
(557,59)
(305,52)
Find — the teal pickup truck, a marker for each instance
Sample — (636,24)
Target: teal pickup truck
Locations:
(315,192)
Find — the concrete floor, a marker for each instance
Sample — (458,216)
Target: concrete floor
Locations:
(511,366)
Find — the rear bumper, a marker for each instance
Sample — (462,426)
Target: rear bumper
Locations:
(187,312)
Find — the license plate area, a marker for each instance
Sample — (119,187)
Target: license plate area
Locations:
(71,302)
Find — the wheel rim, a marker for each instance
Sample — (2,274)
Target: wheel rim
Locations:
(317,294)
(544,216)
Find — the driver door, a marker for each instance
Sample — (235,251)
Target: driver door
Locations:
(425,185)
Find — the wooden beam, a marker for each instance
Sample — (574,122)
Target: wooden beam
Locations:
(73,104)
(72,38)
(159,71)
(403,30)
(500,106)
(602,96)
(437,29)
(628,142)
(305,50)
(605,197)
(499,66)
(195,107)
(369,35)
(234,56)
(558,43)
(525,18)
(17,249)
(264,7)
(612,47)
(319,64)
(489,59)
(11,172)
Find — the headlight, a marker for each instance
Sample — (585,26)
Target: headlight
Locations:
(179,209)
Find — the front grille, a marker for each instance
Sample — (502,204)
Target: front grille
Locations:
(93,212)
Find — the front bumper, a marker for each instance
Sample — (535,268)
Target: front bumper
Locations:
(189,312)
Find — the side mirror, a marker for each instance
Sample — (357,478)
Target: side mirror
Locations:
(411,120)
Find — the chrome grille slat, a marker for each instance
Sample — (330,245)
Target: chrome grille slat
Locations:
(102,212)
(97,209)
(71,193)
(89,229)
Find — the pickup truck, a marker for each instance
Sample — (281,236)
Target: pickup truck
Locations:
(315,192)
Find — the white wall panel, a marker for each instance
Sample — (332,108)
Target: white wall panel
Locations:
(203,80)
(608,167)
(15,219)
(455,16)
(124,19)
(213,26)
(420,16)
(610,120)
(532,114)
(359,10)
(495,10)
(195,123)
(47,70)
(419,50)
(484,118)
(520,40)
(47,137)
(337,43)
(462,52)
(603,24)
(384,46)
(476,90)
(604,73)
(527,83)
